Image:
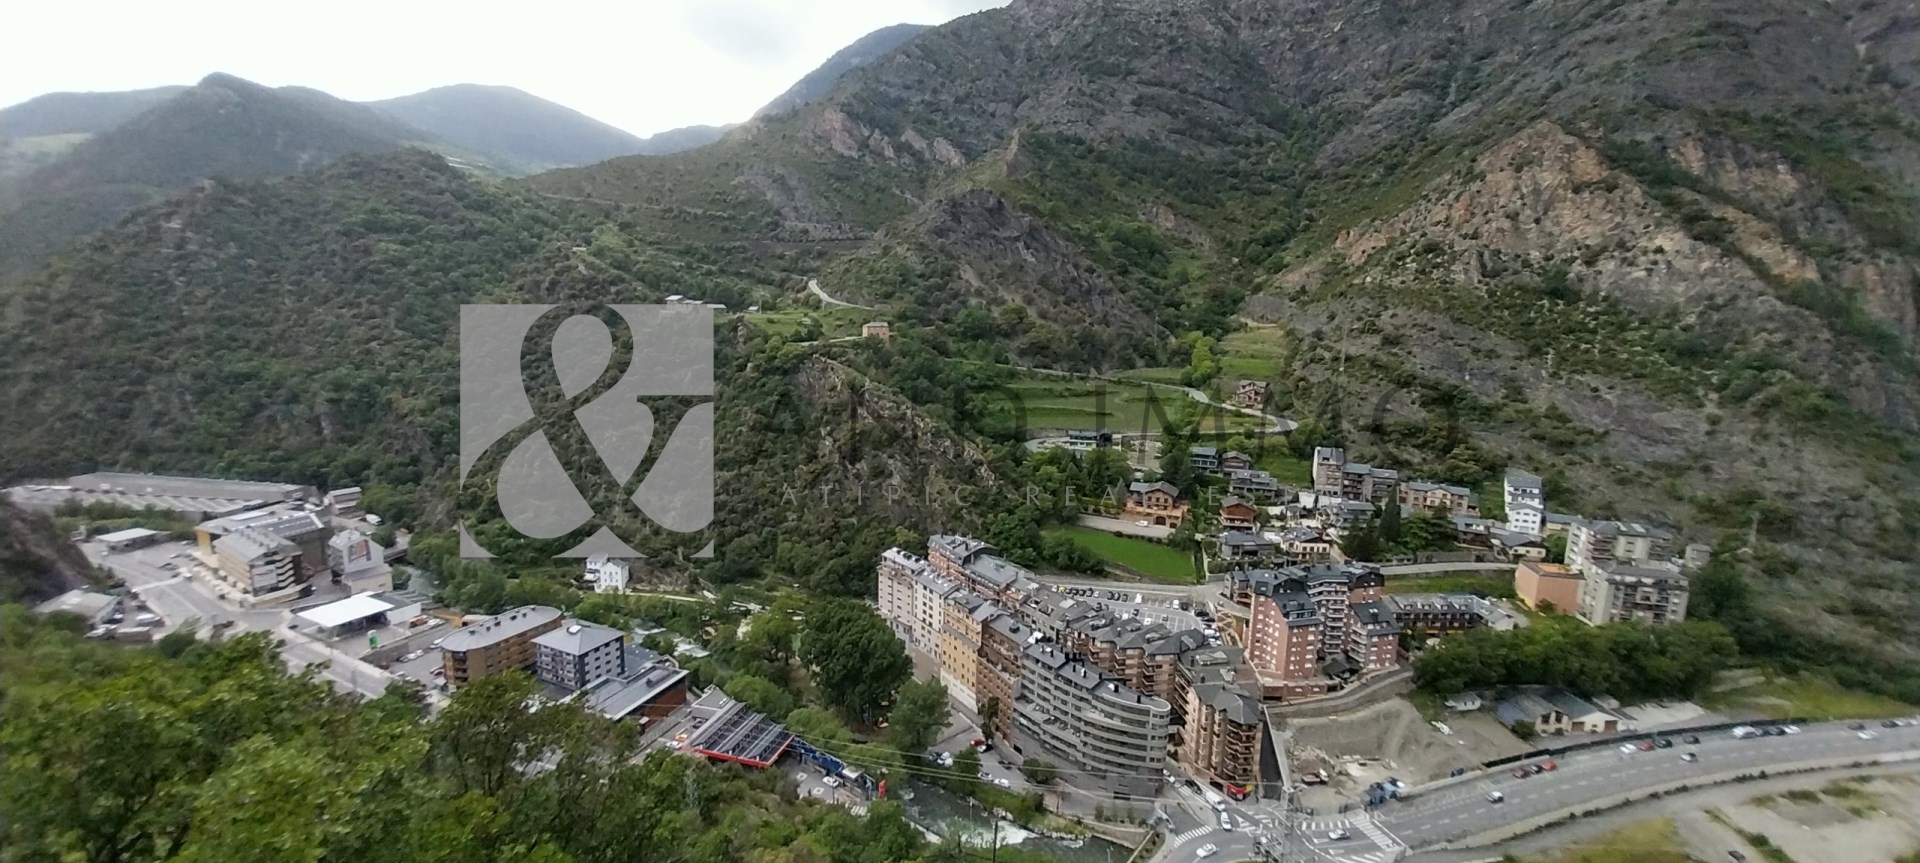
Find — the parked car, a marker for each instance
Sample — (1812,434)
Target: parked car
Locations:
(1691,738)
(1664,743)
(1690,757)
(1865,735)
(1496,797)
(830,781)
(1520,773)
(1550,765)
(1645,746)
(1857,726)
(1003,783)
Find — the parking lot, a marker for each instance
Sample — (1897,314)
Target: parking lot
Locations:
(1146,606)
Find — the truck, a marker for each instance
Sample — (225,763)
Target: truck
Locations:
(1214,797)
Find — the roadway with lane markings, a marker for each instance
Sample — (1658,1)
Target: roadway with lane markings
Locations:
(1588,777)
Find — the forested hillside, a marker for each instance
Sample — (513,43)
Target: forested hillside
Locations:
(1663,253)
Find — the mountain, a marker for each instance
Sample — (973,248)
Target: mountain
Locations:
(821,80)
(78,113)
(1665,252)
(676,140)
(223,126)
(37,563)
(1662,253)
(510,126)
(43,128)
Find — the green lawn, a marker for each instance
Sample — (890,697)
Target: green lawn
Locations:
(1490,583)
(1254,354)
(1285,467)
(835,321)
(1643,842)
(1150,559)
(1810,697)
(1092,405)
(1160,375)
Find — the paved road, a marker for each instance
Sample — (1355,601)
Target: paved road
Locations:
(813,287)
(1117,525)
(1585,778)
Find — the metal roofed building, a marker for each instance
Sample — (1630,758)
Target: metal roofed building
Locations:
(133,537)
(358,612)
(94,607)
(307,529)
(654,691)
(257,563)
(728,731)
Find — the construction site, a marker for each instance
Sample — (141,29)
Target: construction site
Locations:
(1389,740)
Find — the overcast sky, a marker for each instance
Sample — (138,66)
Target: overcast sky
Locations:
(642,65)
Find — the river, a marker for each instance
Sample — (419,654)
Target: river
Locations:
(945,814)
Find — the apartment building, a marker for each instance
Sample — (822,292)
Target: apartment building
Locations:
(1597,543)
(1204,459)
(501,643)
(949,554)
(257,562)
(963,615)
(1327,462)
(1526,503)
(573,656)
(895,576)
(1235,460)
(1620,592)
(607,574)
(1547,586)
(927,610)
(1429,496)
(1094,723)
(1312,624)
(1003,646)
(1223,729)
(1444,613)
(1375,485)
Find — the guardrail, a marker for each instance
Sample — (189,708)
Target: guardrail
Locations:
(1582,746)
(1540,822)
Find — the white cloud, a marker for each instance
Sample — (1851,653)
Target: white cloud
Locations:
(643,66)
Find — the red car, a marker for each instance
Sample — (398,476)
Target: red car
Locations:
(1646,746)
(1520,773)
(1550,765)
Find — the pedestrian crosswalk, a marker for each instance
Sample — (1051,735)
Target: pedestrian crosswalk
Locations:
(1367,841)
(1191,835)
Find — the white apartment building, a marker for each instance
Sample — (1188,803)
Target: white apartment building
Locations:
(1526,503)
(896,600)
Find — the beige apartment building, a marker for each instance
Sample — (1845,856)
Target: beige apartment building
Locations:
(1224,728)
(501,643)
(257,562)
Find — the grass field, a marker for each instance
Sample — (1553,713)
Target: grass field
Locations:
(835,322)
(1286,468)
(1161,375)
(1490,583)
(1643,842)
(1809,697)
(1255,354)
(1147,558)
(1095,405)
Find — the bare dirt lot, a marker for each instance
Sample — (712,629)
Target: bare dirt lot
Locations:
(1872,820)
(1391,739)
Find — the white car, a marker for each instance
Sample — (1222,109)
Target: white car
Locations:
(1143,523)
(830,782)
(436,642)
(1003,783)
(1790,729)
(1496,797)
(1206,850)
(1337,835)
(1626,749)
(1865,735)
(984,776)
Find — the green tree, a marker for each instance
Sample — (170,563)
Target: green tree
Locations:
(990,715)
(1389,531)
(920,713)
(1557,548)
(857,662)
(1361,543)
(759,693)
(1040,771)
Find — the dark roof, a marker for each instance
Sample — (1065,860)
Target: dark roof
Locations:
(578,637)
(737,734)
(1144,487)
